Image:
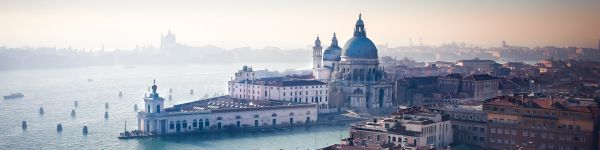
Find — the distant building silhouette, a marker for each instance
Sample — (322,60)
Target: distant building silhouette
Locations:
(167,41)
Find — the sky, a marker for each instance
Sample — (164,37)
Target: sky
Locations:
(123,24)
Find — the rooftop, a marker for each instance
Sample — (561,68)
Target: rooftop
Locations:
(283,81)
(479,77)
(227,104)
(538,103)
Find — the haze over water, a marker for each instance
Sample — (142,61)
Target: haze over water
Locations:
(57,89)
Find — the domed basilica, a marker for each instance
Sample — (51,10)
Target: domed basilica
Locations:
(356,80)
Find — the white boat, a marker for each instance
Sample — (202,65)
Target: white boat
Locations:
(13,96)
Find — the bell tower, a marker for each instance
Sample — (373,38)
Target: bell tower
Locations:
(317,54)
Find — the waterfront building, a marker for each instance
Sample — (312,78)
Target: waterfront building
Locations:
(523,122)
(358,82)
(220,113)
(246,85)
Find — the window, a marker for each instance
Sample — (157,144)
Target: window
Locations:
(195,123)
(171,125)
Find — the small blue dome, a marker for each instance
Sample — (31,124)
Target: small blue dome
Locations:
(332,53)
(360,47)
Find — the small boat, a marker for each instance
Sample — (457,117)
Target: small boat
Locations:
(90,80)
(13,96)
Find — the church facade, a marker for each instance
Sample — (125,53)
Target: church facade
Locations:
(355,79)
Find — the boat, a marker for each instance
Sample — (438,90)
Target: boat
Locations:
(13,96)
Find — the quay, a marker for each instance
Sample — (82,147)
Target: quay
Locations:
(335,119)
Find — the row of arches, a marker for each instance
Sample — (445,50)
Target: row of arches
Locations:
(203,124)
(369,74)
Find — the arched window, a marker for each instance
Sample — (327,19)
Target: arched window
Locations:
(219,118)
(238,117)
(308,112)
(256,116)
(184,124)
(274,115)
(171,125)
(291,113)
(358,91)
(195,123)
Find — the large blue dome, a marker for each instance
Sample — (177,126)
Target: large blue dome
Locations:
(360,47)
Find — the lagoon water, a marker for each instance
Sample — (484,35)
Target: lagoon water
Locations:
(56,90)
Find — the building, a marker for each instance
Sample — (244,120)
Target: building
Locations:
(476,86)
(220,113)
(422,128)
(330,59)
(409,128)
(358,82)
(469,123)
(481,86)
(475,66)
(168,41)
(412,91)
(450,84)
(246,85)
(523,122)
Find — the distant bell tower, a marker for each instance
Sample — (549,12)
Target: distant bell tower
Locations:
(317,54)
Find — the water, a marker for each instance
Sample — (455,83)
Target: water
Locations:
(56,90)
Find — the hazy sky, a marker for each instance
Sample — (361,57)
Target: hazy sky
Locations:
(294,24)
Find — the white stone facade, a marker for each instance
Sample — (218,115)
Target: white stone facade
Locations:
(234,114)
(280,88)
